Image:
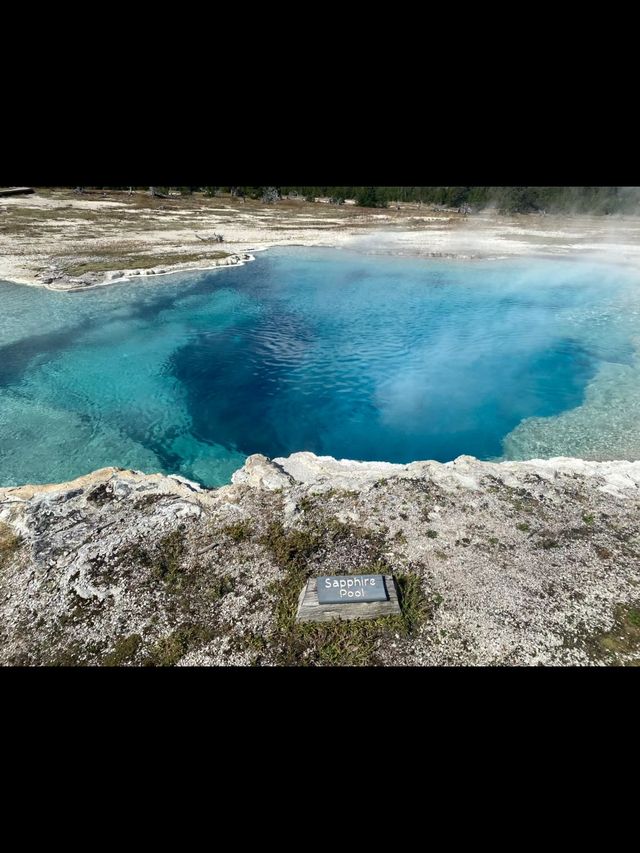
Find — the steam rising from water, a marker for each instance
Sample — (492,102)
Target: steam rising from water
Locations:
(607,423)
(322,350)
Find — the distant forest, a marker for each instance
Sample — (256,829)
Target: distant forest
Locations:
(600,200)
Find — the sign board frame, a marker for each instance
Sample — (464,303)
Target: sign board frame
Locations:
(310,609)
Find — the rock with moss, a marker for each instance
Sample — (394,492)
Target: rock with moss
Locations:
(518,563)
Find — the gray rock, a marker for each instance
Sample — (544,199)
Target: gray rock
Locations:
(260,472)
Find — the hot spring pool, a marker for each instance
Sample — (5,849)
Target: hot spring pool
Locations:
(344,354)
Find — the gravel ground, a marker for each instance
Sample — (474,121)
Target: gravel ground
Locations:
(520,563)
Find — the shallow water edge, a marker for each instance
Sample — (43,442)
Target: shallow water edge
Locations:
(147,327)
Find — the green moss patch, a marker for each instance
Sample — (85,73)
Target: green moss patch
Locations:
(239,531)
(168,558)
(354,642)
(142,262)
(413,602)
(124,651)
(220,586)
(169,650)
(624,637)
(349,643)
(10,543)
(164,558)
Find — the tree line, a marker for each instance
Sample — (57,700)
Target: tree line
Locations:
(598,200)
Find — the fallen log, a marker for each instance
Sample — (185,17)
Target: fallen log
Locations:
(16,191)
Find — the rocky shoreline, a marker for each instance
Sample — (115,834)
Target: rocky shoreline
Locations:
(516,563)
(55,278)
(53,230)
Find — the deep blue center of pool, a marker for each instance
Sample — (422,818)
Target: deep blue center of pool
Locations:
(344,354)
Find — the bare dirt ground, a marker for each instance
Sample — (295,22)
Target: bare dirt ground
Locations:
(59,238)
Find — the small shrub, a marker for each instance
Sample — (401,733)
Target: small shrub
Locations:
(350,643)
(251,640)
(239,531)
(221,586)
(168,557)
(290,549)
(413,602)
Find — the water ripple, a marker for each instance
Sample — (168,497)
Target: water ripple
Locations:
(355,356)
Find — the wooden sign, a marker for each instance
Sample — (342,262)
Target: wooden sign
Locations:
(322,602)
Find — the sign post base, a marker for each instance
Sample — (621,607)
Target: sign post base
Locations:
(311,610)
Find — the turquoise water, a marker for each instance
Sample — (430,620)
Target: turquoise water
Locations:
(336,352)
